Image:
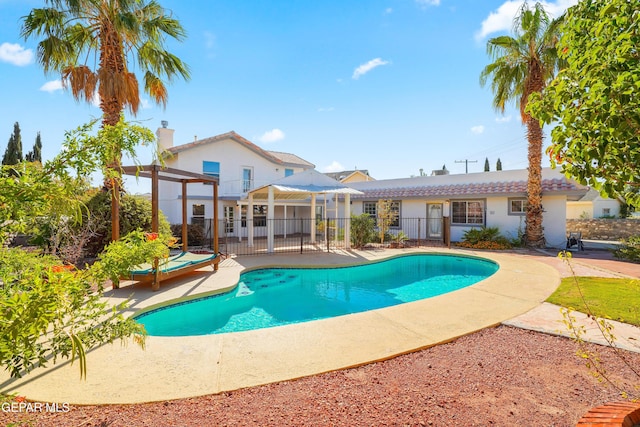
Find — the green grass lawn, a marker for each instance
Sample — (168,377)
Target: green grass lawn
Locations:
(615,299)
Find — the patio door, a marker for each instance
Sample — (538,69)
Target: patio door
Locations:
(434,220)
(229,213)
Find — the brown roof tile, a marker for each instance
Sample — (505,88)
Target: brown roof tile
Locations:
(466,190)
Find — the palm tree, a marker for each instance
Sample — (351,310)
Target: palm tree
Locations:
(108,35)
(525,64)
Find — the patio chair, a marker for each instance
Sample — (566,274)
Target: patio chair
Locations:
(575,239)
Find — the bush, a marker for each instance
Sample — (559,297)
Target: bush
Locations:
(362,230)
(630,249)
(50,311)
(484,238)
(135,214)
(195,234)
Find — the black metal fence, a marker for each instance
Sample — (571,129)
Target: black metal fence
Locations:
(294,235)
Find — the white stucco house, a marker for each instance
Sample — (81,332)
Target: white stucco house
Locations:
(593,205)
(493,199)
(240,166)
(248,174)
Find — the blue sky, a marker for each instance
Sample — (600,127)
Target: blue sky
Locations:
(390,86)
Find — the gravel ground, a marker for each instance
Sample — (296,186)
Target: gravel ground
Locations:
(500,376)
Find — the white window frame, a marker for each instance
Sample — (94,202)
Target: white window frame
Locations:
(467,215)
(523,206)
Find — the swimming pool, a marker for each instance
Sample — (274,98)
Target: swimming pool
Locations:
(270,297)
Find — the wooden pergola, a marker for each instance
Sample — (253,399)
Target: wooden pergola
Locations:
(157,173)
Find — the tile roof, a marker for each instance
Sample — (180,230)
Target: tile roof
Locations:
(292,159)
(284,159)
(557,185)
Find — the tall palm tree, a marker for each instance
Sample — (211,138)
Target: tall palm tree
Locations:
(108,35)
(525,64)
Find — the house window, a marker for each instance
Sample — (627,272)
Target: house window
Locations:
(247,179)
(467,212)
(606,211)
(197,215)
(211,169)
(259,216)
(371,208)
(517,206)
(288,172)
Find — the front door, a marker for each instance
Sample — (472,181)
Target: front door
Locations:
(434,220)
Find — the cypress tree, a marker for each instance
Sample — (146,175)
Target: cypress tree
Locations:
(36,154)
(486,164)
(498,165)
(13,153)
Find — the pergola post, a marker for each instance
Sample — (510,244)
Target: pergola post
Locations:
(215,223)
(347,221)
(250,221)
(313,217)
(270,216)
(185,229)
(154,199)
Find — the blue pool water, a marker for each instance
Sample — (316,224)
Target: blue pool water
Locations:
(279,296)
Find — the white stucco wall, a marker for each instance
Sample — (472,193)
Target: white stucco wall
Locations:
(496,215)
(233,158)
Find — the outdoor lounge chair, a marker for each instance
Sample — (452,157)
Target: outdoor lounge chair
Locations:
(171,267)
(575,239)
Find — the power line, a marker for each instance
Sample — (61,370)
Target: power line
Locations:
(466,164)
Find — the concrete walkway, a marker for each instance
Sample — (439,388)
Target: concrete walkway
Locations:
(178,367)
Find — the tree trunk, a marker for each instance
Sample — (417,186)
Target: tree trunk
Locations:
(112,67)
(534,234)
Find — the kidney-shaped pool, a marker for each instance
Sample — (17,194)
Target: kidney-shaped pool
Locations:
(270,297)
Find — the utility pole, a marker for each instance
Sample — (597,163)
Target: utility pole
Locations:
(466,164)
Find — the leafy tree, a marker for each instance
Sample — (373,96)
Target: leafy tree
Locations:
(595,100)
(50,311)
(35,155)
(486,164)
(13,153)
(523,65)
(498,165)
(387,214)
(106,34)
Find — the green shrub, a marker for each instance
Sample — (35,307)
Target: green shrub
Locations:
(135,214)
(195,234)
(362,230)
(630,249)
(50,311)
(485,238)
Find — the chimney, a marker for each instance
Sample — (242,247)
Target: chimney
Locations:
(165,136)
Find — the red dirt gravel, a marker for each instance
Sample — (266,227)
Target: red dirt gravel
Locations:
(497,377)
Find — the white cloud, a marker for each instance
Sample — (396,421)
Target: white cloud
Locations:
(503,119)
(388,11)
(95,100)
(477,129)
(324,109)
(333,167)
(15,54)
(209,39)
(425,3)
(145,104)
(52,86)
(271,136)
(502,18)
(365,68)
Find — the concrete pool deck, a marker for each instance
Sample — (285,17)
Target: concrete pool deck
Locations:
(179,367)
